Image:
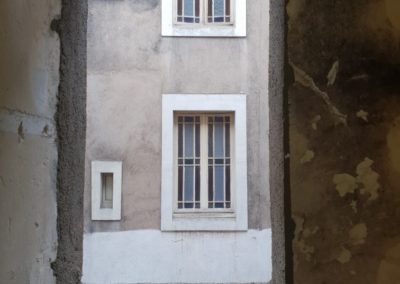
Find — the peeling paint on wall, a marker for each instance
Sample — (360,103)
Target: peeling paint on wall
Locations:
(345,56)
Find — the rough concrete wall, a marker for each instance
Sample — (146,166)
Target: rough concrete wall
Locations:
(29,62)
(278,135)
(130,66)
(345,140)
(71,128)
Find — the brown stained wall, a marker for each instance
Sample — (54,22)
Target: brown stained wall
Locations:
(345,140)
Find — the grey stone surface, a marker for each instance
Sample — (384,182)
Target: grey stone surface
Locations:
(29,62)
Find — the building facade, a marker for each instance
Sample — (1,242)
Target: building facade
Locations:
(176,186)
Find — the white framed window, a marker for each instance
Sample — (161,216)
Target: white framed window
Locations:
(204,163)
(106,190)
(209,18)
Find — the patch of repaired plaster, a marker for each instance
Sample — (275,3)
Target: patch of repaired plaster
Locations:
(358,234)
(331,77)
(362,114)
(305,80)
(345,184)
(393,143)
(393,12)
(344,256)
(307,157)
(366,180)
(314,122)
(299,242)
(389,268)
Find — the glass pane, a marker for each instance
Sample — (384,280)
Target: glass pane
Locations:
(210,140)
(179,12)
(180,183)
(227,140)
(227,7)
(197,8)
(227,183)
(219,183)
(188,8)
(188,140)
(218,8)
(180,140)
(210,184)
(210,5)
(189,183)
(219,140)
(197,185)
(197,140)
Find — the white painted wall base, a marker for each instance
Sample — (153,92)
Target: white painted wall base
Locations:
(152,256)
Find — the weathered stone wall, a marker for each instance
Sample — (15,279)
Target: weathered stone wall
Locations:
(345,140)
(29,63)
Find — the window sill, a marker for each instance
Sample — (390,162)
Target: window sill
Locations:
(203,31)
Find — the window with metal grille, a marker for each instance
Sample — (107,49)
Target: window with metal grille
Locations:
(204,11)
(203,161)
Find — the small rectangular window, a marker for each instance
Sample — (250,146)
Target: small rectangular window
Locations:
(106,190)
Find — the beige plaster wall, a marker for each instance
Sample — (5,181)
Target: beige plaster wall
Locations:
(130,66)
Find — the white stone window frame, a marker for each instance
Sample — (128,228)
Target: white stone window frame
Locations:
(201,221)
(99,213)
(170,27)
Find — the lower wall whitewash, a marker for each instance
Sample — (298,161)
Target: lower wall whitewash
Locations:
(151,256)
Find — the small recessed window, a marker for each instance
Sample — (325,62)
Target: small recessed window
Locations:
(106,190)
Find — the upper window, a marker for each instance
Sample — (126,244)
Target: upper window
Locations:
(204,167)
(219,18)
(204,11)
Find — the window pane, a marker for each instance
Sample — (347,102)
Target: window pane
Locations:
(210,184)
(210,6)
(218,8)
(227,183)
(227,140)
(197,185)
(180,183)
(219,183)
(179,12)
(180,140)
(188,8)
(219,140)
(189,140)
(197,8)
(227,7)
(210,140)
(189,179)
(197,140)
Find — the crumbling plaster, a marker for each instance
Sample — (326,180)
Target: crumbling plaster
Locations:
(29,56)
(344,107)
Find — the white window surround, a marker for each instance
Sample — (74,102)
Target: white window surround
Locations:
(99,167)
(171,28)
(170,221)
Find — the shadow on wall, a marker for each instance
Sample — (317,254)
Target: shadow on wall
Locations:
(344,140)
